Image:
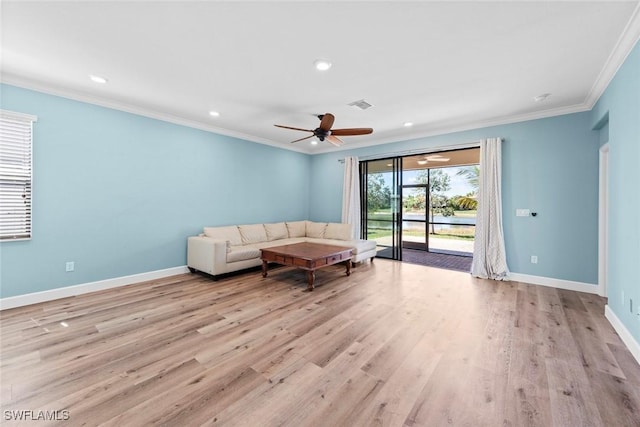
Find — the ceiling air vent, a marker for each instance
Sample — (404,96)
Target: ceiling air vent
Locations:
(361,104)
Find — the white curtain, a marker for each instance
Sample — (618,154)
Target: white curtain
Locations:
(489,256)
(351,195)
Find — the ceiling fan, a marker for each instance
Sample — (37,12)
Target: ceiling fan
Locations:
(324,131)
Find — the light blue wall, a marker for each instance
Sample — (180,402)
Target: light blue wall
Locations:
(621,101)
(118,193)
(549,166)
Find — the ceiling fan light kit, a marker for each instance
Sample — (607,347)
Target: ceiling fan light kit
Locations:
(324,131)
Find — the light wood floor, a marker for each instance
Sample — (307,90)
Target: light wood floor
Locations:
(393,344)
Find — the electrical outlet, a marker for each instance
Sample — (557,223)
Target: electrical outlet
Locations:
(522,212)
(71,266)
(631,305)
(534,259)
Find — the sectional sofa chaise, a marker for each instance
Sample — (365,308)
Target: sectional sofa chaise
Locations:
(221,250)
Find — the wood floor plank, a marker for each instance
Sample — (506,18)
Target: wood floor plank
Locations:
(392,404)
(616,398)
(393,344)
(592,346)
(573,401)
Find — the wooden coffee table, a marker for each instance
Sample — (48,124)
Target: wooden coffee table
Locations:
(307,256)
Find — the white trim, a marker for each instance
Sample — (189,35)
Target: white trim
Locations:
(140,111)
(628,38)
(84,288)
(24,83)
(555,112)
(623,332)
(603,222)
(555,283)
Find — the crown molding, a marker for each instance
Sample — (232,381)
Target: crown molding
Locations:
(554,112)
(627,40)
(29,84)
(141,111)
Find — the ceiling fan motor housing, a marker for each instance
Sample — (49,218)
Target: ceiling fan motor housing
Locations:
(321,134)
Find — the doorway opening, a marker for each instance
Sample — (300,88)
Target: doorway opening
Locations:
(603,221)
(422,204)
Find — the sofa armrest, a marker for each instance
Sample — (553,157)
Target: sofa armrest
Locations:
(207,255)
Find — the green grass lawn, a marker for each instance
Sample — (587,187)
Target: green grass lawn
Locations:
(385,215)
(455,234)
(462,233)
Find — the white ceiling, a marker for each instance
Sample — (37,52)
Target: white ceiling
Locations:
(444,66)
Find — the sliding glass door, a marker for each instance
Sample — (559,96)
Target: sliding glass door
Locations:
(382,212)
(426,202)
(415,199)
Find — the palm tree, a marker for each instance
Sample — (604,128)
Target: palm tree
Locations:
(472,173)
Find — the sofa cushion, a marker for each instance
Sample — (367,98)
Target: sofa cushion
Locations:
(339,231)
(279,242)
(316,229)
(230,234)
(254,233)
(276,231)
(297,228)
(241,253)
(358,246)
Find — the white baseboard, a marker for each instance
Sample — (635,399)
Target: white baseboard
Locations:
(555,283)
(623,332)
(84,288)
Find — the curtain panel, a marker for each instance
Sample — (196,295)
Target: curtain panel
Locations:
(351,194)
(489,255)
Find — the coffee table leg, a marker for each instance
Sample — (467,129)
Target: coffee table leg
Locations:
(265,265)
(348,264)
(311,277)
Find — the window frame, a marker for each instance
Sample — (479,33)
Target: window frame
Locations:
(23,132)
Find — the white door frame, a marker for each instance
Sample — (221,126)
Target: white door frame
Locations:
(603,220)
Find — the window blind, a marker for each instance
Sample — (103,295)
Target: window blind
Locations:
(15,175)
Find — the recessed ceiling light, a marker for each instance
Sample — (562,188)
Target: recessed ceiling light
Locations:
(214,114)
(408,124)
(322,64)
(389,164)
(541,97)
(422,162)
(98,79)
(314,142)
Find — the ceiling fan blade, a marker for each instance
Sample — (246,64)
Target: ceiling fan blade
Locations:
(302,139)
(289,127)
(334,140)
(327,121)
(352,131)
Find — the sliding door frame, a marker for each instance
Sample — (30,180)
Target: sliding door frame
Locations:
(395,203)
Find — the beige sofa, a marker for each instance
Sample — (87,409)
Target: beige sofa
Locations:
(221,250)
